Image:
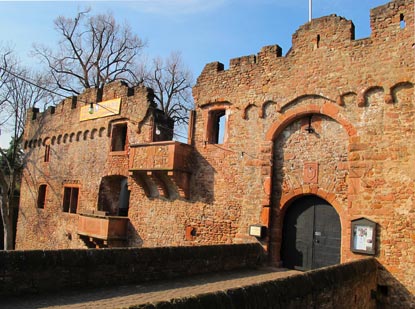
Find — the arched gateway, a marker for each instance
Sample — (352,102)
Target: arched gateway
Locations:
(311,234)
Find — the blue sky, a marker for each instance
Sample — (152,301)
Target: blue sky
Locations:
(202,30)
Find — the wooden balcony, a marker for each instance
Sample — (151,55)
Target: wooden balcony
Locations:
(162,168)
(102,227)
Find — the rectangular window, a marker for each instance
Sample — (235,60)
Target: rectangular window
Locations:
(217,126)
(47,153)
(119,137)
(70,199)
(41,196)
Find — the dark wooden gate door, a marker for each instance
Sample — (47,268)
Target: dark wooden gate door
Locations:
(311,234)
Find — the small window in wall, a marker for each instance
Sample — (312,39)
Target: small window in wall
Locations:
(41,196)
(47,153)
(70,199)
(216,126)
(402,22)
(119,137)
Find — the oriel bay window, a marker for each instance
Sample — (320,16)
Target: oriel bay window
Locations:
(70,199)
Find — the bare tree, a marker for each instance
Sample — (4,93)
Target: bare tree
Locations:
(19,90)
(172,85)
(7,63)
(93,51)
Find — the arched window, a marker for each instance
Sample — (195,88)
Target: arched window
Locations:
(114,195)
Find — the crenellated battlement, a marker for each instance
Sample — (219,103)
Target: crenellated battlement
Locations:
(87,115)
(392,20)
(241,61)
(391,17)
(325,32)
(91,95)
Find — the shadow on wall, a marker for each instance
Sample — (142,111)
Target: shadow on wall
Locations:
(202,180)
(390,292)
(133,238)
(30,181)
(278,176)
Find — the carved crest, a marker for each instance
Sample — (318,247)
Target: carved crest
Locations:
(310,174)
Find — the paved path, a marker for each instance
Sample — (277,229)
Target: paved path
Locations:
(125,296)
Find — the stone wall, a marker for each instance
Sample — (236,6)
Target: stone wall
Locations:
(358,96)
(80,155)
(24,272)
(353,284)
(350,285)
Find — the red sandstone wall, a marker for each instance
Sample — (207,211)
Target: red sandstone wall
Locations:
(80,155)
(361,96)
(362,92)
(39,272)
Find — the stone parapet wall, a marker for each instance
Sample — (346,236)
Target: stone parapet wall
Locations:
(350,285)
(357,96)
(340,106)
(39,271)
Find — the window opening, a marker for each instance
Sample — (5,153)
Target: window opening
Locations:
(402,22)
(318,40)
(74,101)
(47,153)
(70,199)
(119,137)
(41,196)
(217,126)
(124,199)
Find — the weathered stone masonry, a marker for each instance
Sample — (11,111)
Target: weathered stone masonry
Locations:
(80,156)
(333,118)
(360,96)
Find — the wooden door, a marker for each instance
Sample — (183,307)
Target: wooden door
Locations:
(311,234)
